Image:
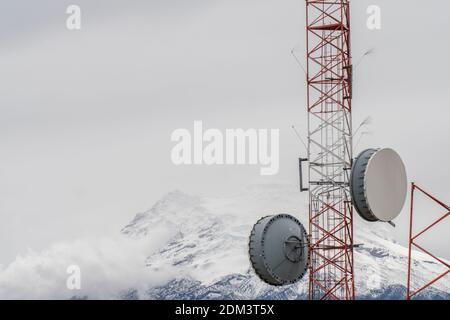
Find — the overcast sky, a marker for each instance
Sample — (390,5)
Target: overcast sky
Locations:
(86,116)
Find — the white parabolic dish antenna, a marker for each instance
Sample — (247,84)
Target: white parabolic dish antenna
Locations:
(379,184)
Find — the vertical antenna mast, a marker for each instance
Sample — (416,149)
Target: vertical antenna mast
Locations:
(329,94)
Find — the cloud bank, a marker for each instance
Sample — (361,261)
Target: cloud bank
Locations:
(110,267)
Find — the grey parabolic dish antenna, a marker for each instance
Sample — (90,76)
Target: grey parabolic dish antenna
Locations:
(278,249)
(378,185)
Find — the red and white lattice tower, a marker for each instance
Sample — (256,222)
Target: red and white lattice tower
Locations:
(329,96)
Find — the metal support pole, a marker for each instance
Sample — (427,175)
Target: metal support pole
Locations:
(408,288)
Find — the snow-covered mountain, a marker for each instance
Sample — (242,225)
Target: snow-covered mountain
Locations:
(207,249)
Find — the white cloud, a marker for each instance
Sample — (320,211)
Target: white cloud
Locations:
(108,267)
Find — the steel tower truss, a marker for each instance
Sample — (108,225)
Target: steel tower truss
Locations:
(329,94)
(414,242)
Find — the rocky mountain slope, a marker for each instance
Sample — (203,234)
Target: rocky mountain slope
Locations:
(207,249)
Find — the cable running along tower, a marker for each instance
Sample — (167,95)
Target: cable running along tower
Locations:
(329,96)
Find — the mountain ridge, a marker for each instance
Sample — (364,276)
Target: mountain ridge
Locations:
(208,249)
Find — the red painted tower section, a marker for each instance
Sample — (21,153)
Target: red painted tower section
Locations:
(330,152)
(414,238)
